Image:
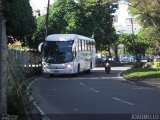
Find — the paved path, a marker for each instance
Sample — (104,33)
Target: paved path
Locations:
(153,82)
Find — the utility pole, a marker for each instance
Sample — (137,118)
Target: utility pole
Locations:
(133,38)
(3,65)
(132,25)
(47,18)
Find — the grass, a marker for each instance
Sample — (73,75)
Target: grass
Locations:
(141,73)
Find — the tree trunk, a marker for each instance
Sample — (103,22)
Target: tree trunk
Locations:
(116,53)
(109,50)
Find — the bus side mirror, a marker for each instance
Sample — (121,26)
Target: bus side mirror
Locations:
(40,47)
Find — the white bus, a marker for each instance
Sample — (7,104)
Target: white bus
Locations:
(67,54)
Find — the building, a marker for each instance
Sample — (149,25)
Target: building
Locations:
(123,22)
(130,26)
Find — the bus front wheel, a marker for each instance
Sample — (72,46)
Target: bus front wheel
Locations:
(51,75)
(78,70)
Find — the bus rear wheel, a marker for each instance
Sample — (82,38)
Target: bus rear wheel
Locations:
(89,71)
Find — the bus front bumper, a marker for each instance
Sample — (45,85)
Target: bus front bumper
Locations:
(57,71)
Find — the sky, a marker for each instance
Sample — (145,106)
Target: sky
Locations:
(42,4)
(122,13)
(39,4)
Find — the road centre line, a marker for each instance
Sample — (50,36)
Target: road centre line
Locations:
(92,89)
(117,99)
(141,88)
(109,77)
(82,84)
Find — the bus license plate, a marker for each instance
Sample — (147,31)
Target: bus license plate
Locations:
(56,71)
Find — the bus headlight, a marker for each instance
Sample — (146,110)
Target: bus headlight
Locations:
(46,64)
(68,65)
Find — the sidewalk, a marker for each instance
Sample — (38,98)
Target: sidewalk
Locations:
(153,82)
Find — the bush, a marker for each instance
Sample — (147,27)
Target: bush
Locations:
(137,65)
(148,65)
(141,73)
(156,65)
(18,102)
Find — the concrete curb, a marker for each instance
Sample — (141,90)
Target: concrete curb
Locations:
(31,81)
(140,83)
(119,75)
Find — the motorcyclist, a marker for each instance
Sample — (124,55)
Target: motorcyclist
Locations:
(107,61)
(107,65)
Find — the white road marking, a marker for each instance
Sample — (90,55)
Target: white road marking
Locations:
(112,68)
(92,89)
(140,88)
(129,103)
(82,84)
(90,78)
(109,77)
(75,109)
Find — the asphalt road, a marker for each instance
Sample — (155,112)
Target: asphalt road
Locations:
(96,93)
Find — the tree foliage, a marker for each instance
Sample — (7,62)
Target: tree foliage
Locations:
(148,15)
(87,18)
(20,22)
(150,36)
(148,11)
(103,21)
(133,44)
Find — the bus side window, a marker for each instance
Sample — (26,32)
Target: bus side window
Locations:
(94,46)
(83,45)
(91,45)
(79,45)
(88,46)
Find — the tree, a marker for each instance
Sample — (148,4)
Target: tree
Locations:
(64,17)
(148,15)
(20,22)
(86,18)
(103,21)
(147,10)
(133,44)
(150,37)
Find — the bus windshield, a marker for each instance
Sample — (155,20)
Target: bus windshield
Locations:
(57,52)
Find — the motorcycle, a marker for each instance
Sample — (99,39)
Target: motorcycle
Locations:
(107,67)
